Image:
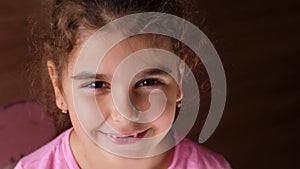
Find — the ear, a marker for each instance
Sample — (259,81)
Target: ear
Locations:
(180,81)
(60,100)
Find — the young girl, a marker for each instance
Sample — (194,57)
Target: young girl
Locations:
(116,101)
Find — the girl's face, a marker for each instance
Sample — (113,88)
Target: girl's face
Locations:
(118,109)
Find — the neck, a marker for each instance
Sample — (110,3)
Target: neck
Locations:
(91,156)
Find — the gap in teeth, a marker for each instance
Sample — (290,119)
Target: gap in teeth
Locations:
(115,137)
(132,136)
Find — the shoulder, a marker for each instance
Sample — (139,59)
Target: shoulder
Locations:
(191,155)
(52,155)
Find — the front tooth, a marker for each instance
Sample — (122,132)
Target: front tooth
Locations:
(113,136)
(135,135)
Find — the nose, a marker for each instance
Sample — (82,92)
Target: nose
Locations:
(121,108)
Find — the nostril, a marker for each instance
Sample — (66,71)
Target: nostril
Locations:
(131,115)
(115,116)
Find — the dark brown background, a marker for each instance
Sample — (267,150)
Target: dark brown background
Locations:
(258,42)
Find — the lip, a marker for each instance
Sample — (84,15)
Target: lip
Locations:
(128,138)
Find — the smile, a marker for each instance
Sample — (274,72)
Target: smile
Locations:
(126,138)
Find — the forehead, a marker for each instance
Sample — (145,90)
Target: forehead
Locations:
(87,59)
(136,43)
(139,42)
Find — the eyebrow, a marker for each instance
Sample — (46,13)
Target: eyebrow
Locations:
(147,72)
(87,75)
(154,71)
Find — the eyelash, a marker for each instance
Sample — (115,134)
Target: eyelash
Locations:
(141,83)
(148,82)
(94,85)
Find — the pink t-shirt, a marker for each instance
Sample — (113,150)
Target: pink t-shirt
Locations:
(58,155)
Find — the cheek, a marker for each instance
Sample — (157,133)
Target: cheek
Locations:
(85,112)
(105,106)
(165,121)
(167,118)
(141,99)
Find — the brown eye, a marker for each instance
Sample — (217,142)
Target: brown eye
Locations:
(147,82)
(97,84)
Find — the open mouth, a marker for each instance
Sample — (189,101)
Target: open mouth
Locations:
(126,139)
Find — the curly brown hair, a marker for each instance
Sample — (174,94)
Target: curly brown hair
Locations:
(56,39)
